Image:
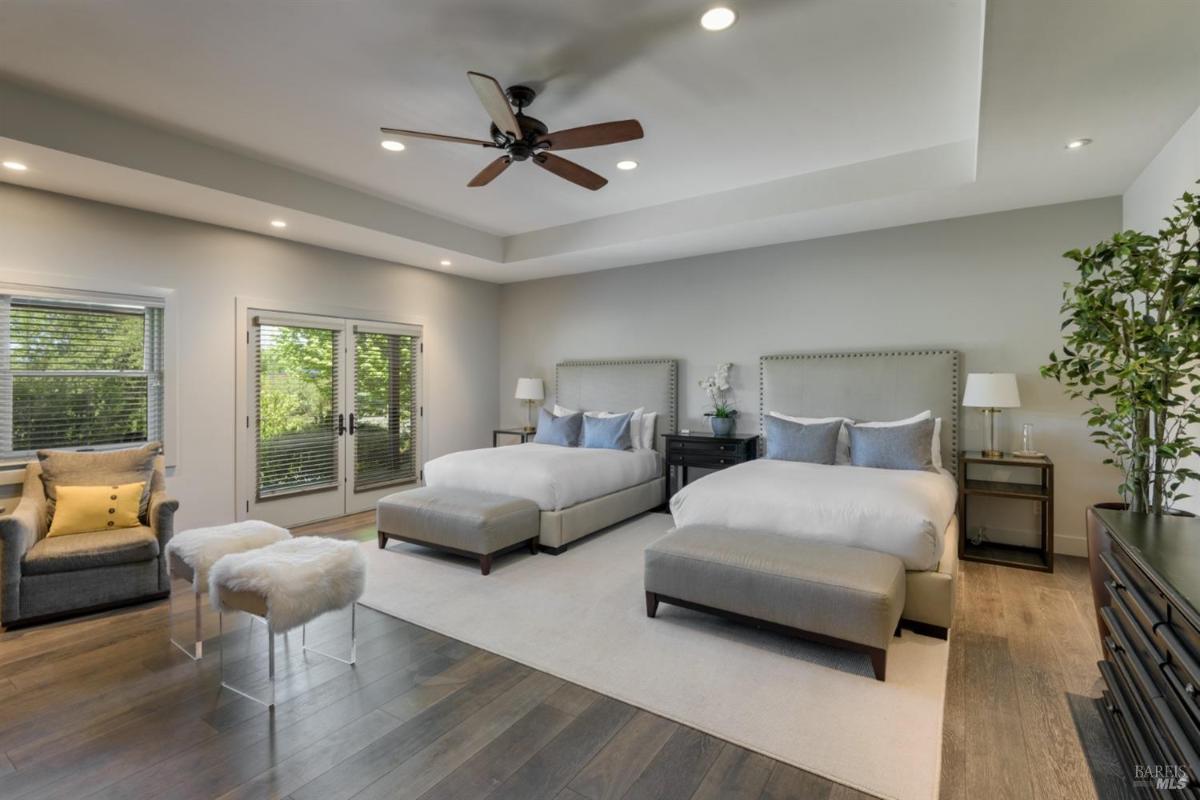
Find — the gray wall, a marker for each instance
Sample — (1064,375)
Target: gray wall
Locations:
(62,240)
(988,285)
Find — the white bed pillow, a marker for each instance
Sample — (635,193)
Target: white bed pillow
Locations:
(636,435)
(935,446)
(842,454)
(648,425)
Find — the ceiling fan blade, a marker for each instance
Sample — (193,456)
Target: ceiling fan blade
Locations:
(489,173)
(625,130)
(495,103)
(570,171)
(437,137)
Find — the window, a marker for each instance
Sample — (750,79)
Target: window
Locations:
(79,373)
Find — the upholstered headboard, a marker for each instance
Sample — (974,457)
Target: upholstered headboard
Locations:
(865,386)
(621,385)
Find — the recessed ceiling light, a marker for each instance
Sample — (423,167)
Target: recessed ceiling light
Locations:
(15,166)
(718,19)
(1075,144)
(627,165)
(393,145)
(278,223)
(445,262)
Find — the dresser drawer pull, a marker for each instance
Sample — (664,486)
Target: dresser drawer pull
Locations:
(1115,570)
(1141,714)
(1153,707)
(1132,622)
(1122,583)
(1143,753)
(1181,656)
(1152,697)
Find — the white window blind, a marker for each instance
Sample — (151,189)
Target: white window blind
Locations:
(79,374)
(385,408)
(296,408)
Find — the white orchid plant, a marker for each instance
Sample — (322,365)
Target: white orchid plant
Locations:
(717,387)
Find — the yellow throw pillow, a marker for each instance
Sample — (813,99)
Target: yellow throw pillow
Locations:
(83,509)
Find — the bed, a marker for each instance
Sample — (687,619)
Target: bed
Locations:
(910,515)
(579,491)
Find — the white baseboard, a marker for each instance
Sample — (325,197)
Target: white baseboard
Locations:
(1070,546)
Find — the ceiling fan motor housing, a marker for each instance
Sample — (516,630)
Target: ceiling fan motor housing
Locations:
(532,129)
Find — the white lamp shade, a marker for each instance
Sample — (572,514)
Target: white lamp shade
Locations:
(530,389)
(991,390)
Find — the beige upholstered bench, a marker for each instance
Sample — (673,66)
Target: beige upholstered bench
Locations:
(474,524)
(844,596)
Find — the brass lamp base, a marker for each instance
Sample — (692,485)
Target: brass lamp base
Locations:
(989,433)
(529,426)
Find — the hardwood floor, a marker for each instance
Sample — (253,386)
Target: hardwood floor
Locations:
(102,707)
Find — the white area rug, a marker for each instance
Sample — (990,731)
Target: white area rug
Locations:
(581,616)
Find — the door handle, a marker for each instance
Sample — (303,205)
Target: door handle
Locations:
(341,428)
(351,423)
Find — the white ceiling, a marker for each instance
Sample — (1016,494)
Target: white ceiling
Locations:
(807,118)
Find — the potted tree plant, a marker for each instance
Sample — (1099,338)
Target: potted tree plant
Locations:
(1131,348)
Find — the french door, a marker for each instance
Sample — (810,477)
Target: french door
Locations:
(334,415)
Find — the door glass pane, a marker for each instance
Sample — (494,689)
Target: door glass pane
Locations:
(385,409)
(297,409)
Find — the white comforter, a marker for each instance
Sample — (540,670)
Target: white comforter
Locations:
(553,477)
(900,512)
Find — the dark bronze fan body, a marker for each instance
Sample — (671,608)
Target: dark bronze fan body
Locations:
(525,138)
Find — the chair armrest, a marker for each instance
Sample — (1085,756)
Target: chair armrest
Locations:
(19,531)
(162,517)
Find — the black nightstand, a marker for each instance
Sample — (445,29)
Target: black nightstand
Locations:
(706,451)
(1039,557)
(520,433)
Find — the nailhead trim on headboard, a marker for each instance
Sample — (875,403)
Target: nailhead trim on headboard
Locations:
(954,385)
(673,413)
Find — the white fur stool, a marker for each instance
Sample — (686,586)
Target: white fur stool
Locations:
(191,554)
(288,584)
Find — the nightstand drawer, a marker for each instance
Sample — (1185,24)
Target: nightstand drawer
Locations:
(704,461)
(701,447)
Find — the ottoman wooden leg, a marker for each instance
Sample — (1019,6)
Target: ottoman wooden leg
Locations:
(879,663)
(485,564)
(651,604)
(533,548)
(382,540)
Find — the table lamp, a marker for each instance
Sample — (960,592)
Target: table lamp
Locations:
(532,392)
(991,392)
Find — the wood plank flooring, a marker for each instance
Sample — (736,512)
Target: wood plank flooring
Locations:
(102,707)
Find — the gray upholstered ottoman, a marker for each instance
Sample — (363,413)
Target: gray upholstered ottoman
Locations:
(473,524)
(838,595)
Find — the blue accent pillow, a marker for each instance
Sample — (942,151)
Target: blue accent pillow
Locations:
(562,431)
(609,433)
(893,447)
(814,443)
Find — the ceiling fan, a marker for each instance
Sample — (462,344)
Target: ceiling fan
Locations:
(524,138)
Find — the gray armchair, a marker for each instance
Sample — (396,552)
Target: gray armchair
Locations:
(43,579)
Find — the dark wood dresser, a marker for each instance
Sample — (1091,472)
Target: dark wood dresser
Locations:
(1145,573)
